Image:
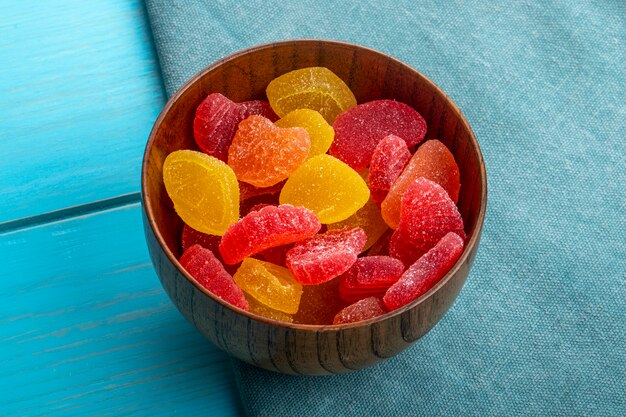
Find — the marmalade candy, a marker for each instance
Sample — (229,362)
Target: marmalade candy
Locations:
(269,284)
(315,88)
(324,257)
(432,161)
(427,214)
(425,272)
(204,190)
(205,268)
(364,309)
(266,228)
(388,160)
(263,155)
(326,186)
(359,129)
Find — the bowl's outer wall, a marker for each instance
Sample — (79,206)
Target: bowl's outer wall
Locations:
(371,75)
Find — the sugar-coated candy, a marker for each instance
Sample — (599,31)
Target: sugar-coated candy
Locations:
(209,272)
(215,124)
(266,228)
(259,107)
(320,132)
(388,160)
(425,272)
(263,155)
(315,88)
(370,276)
(433,161)
(381,246)
(324,257)
(204,190)
(263,310)
(359,129)
(319,303)
(328,187)
(271,285)
(367,218)
(427,214)
(364,309)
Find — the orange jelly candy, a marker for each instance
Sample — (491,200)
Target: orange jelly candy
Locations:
(262,154)
(432,161)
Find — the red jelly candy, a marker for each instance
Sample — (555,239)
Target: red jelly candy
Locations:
(259,107)
(388,160)
(269,227)
(370,276)
(324,257)
(426,215)
(359,129)
(425,272)
(432,161)
(215,124)
(361,310)
(205,268)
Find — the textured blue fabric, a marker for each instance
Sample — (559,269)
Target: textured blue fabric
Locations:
(540,327)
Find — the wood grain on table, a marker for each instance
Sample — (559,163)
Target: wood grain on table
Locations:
(79,90)
(85,327)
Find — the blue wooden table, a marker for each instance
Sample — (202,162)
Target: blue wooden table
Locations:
(85,327)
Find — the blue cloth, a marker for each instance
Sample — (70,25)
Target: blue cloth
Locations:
(540,327)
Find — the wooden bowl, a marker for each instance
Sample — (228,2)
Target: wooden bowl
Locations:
(297,348)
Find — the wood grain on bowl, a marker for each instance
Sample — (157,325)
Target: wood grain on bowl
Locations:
(297,348)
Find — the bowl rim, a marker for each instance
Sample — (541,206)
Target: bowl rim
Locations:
(147,206)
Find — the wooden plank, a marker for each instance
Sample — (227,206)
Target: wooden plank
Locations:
(85,327)
(79,90)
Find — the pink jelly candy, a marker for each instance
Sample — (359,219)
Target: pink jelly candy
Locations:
(259,107)
(425,272)
(388,160)
(266,228)
(364,309)
(370,276)
(426,215)
(215,124)
(205,268)
(324,257)
(359,129)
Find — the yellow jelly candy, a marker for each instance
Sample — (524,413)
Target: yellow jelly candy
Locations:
(314,88)
(367,218)
(262,310)
(326,186)
(204,190)
(271,285)
(320,132)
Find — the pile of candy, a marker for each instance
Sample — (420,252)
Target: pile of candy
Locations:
(341,221)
